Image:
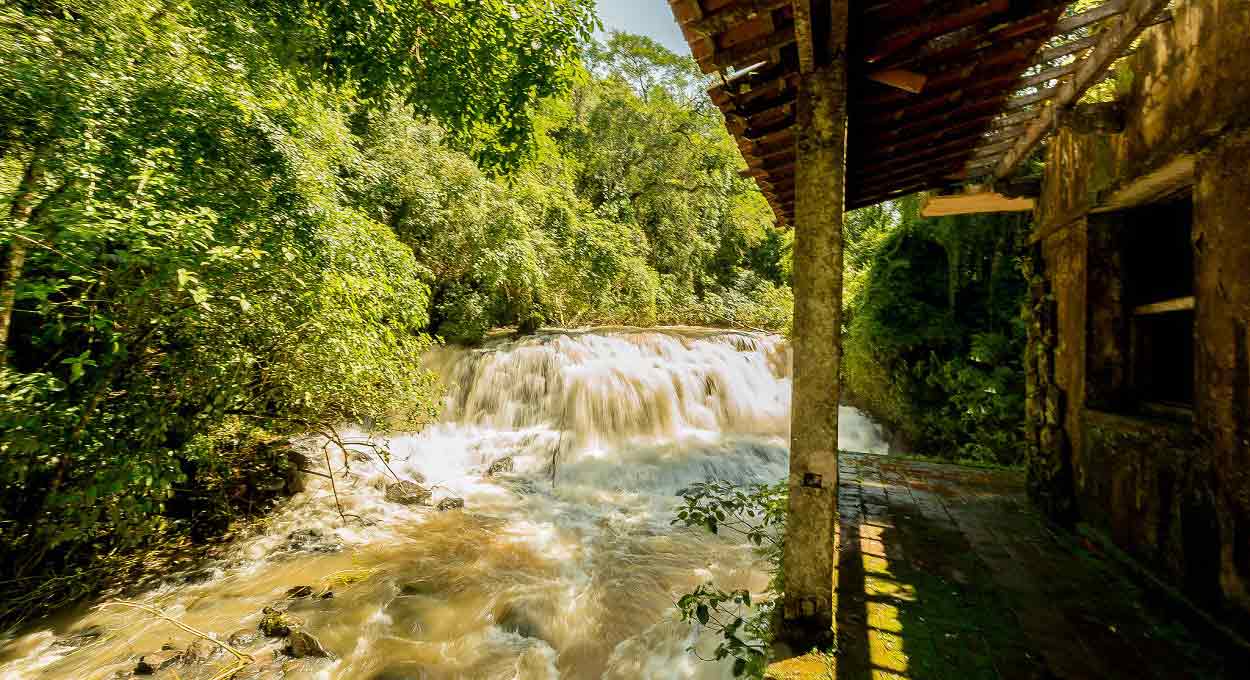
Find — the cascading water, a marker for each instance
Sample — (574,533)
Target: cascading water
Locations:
(530,581)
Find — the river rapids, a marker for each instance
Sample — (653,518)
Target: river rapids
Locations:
(529,581)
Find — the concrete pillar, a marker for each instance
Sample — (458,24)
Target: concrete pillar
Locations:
(820,179)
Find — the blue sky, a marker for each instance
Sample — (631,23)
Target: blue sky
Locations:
(648,17)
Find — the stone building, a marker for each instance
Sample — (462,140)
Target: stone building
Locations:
(1140,344)
(1139,381)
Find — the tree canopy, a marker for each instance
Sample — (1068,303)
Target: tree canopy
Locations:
(228,221)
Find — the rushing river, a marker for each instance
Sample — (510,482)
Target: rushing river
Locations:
(528,581)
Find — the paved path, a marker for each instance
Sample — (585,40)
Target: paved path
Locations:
(946,572)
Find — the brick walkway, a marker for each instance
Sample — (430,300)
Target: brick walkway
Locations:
(947,572)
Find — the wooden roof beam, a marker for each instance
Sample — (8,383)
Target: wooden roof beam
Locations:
(944,164)
(750,51)
(724,19)
(1016,118)
(976,109)
(1037,26)
(994,149)
(1045,76)
(863,200)
(803,34)
(1030,99)
(1090,16)
(939,22)
(1112,42)
(907,81)
(1052,53)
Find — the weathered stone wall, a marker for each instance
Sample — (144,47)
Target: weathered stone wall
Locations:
(1222,409)
(1174,493)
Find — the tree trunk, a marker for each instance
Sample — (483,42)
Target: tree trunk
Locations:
(19,215)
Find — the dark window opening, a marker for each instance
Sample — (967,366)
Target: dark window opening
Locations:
(1159,294)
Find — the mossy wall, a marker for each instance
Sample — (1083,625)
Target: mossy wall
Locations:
(1174,492)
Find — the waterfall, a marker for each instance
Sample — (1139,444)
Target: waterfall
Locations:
(531,579)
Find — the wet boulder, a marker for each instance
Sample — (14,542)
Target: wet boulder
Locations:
(299,591)
(505,464)
(300,644)
(276,623)
(450,504)
(311,540)
(151,663)
(408,493)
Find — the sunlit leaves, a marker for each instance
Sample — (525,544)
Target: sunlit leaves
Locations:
(756,513)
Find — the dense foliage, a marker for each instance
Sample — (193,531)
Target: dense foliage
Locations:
(189,255)
(934,340)
(229,222)
(629,210)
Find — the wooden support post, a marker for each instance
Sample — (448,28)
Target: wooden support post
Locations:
(820,184)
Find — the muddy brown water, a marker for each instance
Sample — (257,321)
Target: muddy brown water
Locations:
(529,581)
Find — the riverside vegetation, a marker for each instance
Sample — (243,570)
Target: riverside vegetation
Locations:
(229,223)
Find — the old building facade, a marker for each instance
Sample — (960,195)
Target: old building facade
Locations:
(1139,359)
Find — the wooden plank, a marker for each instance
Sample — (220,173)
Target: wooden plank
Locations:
(992,149)
(747,53)
(866,199)
(1047,75)
(1016,118)
(1112,42)
(907,172)
(908,81)
(975,202)
(741,12)
(1030,99)
(1052,53)
(1036,27)
(975,70)
(803,34)
(943,20)
(888,114)
(972,110)
(1090,16)
(1181,304)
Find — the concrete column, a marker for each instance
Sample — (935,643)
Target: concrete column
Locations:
(820,177)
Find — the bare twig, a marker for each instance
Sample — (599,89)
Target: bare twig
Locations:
(243,657)
(333,487)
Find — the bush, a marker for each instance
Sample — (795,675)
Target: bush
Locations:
(934,345)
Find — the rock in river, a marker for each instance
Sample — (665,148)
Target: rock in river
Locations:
(310,540)
(300,644)
(407,493)
(451,504)
(299,591)
(500,466)
(276,623)
(151,663)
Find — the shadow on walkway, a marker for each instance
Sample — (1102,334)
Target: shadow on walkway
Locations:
(946,572)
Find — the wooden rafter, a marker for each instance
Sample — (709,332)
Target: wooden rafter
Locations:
(721,20)
(1136,15)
